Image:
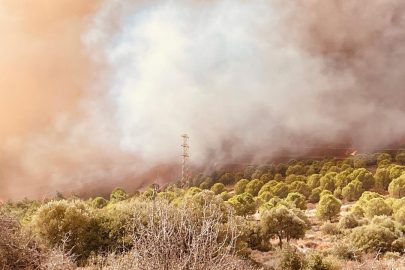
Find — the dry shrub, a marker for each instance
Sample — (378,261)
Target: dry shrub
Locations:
(200,233)
(330,228)
(58,259)
(16,250)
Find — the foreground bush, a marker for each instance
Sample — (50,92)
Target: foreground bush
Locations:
(16,252)
(198,234)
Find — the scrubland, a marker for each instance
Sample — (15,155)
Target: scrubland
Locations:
(333,213)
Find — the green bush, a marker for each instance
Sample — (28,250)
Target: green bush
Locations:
(328,207)
(382,178)
(377,207)
(281,190)
(315,195)
(240,186)
(243,204)
(377,236)
(314,180)
(99,202)
(57,220)
(353,190)
(118,195)
(207,184)
(348,221)
(253,187)
(218,188)
(397,187)
(300,187)
(284,222)
(330,228)
(297,199)
(290,259)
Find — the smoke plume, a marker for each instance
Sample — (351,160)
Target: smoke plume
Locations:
(95,88)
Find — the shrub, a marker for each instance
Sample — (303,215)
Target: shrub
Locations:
(400,158)
(325,192)
(16,251)
(218,188)
(243,204)
(193,190)
(284,222)
(399,216)
(397,186)
(238,177)
(249,171)
(314,180)
(207,184)
(348,221)
(364,176)
(315,261)
(382,178)
(266,196)
(377,207)
(278,177)
(181,237)
(266,177)
(295,169)
(297,199)
(58,219)
(281,190)
(378,236)
(225,196)
(329,228)
(384,156)
(300,187)
(117,195)
(227,179)
(328,207)
(345,251)
(99,202)
(315,195)
(328,181)
(268,187)
(353,190)
(253,187)
(396,171)
(290,259)
(398,204)
(240,186)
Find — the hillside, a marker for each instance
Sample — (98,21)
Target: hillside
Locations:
(332,213)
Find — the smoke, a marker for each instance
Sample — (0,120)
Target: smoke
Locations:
(92,89)
(55,128)
(251,76)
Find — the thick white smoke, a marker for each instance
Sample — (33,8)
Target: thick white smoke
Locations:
(240,77)
(219,71)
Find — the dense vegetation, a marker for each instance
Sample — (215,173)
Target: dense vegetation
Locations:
(269,216)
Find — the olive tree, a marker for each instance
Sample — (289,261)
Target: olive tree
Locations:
(285,223)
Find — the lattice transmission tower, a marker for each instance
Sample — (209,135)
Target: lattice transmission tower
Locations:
(184,170)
